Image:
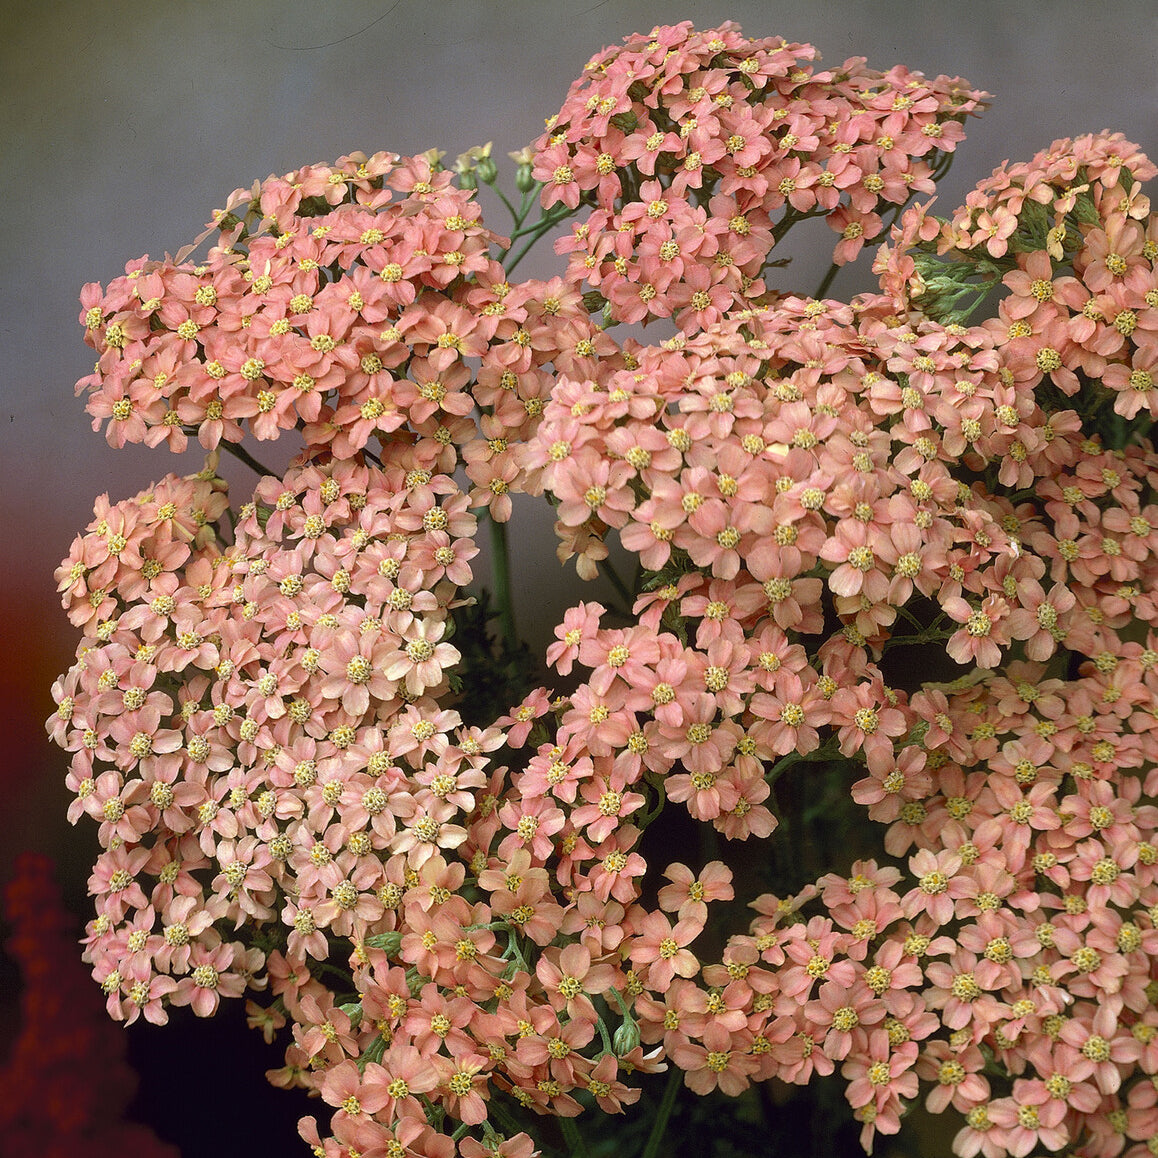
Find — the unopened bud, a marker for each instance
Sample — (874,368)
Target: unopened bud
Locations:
(524,159)
(389,943)
(626,1038)
(487,170)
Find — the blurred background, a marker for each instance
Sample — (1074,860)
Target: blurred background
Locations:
(122,126)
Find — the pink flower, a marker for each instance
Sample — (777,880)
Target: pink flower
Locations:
(209,979)
(788,719)
(662,949)
(570,974)
(940,884)
(983,633)
(579,627)
(722,1061)
(1031,1117)
(689,893)
(1136,382)
(881,1073)
(423,661)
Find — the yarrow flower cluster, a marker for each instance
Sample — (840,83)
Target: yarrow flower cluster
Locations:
(56,1101)
(1070,235)
(461,922)
(698,150)
(348,304)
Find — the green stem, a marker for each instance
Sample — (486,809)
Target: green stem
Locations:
(619,585)
(242,455)
(794,217)
(530,196)
(515,953)
(532,233)
(652,813)
(906,614)
(550,218)
(944,165)
(518,220)
(790,218)
(604,1036)
(231,519)
(575,1144)
(667,1103)
(624,1008)
(504,1117)
(1117,432)
(826,751)
(782,765)
(510,266)
(342,975)
(501,574)
(822,289)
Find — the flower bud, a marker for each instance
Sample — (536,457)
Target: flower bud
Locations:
(625,1038)
(487,170)
(524,159)
(389,943)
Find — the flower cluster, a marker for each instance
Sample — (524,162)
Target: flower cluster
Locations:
(797,472)
(358,305)
(458,921)
(698,150)
(57,1102)
(1070,237)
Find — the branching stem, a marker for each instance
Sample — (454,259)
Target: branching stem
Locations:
(666,1105)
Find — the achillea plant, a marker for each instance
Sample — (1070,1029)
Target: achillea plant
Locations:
(460,921)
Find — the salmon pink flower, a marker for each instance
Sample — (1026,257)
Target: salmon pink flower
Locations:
(580,624)
(662,949)
(1031,1116)
(722,1062)
(689,893)
(570,974)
